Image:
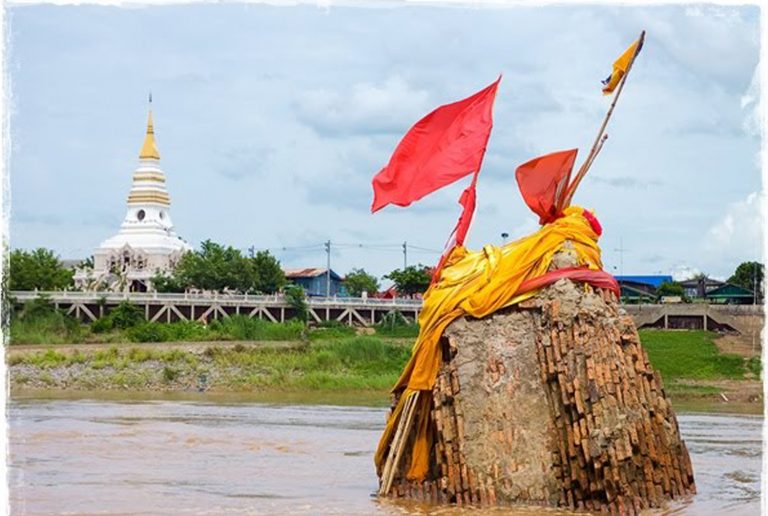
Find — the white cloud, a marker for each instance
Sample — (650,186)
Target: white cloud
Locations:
(365,107)
(738,236)
(279,117)
(720,34)
(750,104)
(683,272)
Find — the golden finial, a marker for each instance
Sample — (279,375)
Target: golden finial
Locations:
(149,149)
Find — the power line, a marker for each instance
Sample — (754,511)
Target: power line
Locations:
(425,249)
(403,247)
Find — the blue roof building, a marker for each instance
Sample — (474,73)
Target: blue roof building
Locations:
(653,281)
(640,289)
(314,281)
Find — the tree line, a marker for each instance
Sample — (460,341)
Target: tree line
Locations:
(213,267)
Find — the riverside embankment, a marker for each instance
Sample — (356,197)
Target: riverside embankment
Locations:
(694,369)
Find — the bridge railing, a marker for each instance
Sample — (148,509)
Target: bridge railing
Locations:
(144,297)
(319,302)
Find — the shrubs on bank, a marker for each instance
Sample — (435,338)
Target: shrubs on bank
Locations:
(395,325)
(237,327)
(240,327)
(179,331)
(40,323)
(123,316)
(331,330)
(360,362)
(349,362)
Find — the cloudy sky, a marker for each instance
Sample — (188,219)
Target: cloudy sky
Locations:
(272,120)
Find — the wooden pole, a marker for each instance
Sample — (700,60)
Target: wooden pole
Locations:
(398,443)
(597,145)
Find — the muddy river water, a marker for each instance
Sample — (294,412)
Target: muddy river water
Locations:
(80,456)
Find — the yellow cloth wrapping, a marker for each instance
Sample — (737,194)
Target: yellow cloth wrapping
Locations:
(478,284)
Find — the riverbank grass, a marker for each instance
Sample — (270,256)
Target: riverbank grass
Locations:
(353,363)
(39,323)
(692,355)
(328,357)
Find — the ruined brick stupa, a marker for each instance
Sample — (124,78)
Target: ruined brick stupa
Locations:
(527,384)
(551,401)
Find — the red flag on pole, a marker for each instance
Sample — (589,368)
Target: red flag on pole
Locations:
(441,148)
(543,181)
(468,200)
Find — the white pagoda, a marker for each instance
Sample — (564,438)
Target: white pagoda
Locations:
(146,243)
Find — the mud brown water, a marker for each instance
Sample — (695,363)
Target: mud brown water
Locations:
(195,456)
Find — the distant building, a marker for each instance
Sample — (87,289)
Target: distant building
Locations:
(390,293)
(640,289)
(314,281)
(71,264)
(699,287)
(731,294)
(146,243)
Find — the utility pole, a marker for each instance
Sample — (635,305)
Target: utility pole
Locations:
(621,251)
(328,270)
(754,283)
(405,255)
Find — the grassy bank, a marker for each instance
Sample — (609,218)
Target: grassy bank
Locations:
(39,323)
(692,366)
(694,355)
(328,357)
(368,363)
(56,328)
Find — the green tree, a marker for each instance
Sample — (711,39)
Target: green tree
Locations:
(37,308)
(670,288)
(297,299)
(167,283)
(413,279)
(748,275)
(359,281)
(269,275)
(126,315)
(39,269)
(215,267)
(87,263)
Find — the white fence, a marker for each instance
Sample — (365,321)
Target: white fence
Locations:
(63,296)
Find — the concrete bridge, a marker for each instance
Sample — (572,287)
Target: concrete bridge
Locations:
(89,306)
(746,320)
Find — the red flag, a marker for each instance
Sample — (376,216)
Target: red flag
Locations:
(543,181)
(468,201)
(441,148)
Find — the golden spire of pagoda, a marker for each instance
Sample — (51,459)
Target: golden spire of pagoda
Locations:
(149,149)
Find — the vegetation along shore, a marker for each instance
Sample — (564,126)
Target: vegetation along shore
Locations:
(50,351)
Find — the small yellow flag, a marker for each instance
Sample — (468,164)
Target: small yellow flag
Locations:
(620,68)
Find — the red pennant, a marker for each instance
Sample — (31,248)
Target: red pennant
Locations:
(543,181)
(444,146)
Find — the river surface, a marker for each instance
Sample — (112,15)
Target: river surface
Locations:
(116,457)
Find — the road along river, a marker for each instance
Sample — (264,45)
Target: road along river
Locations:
(200,457)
